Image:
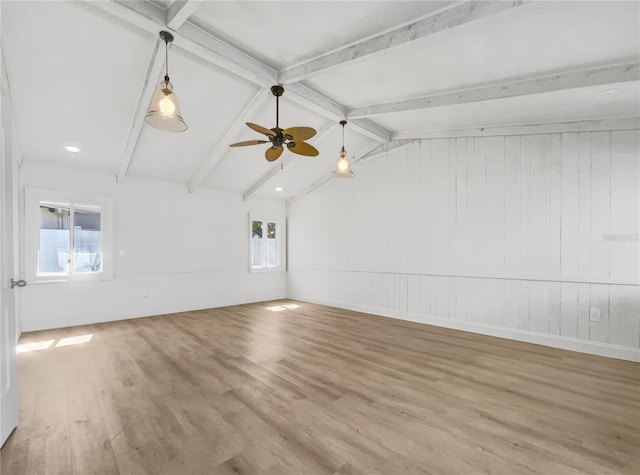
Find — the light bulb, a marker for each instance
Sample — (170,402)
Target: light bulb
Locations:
(342,164)
(167,106)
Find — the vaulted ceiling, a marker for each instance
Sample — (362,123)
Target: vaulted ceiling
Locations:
(83,72)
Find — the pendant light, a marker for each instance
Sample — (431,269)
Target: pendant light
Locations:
(164,111)
(343,168)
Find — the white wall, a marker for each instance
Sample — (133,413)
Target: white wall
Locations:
(183,251)
(514,236)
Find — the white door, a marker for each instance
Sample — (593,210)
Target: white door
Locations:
(9,408)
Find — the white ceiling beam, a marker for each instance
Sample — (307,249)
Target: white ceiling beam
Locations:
(207,166)
(197,40)
(139,13)
(285,160)
(434,23)
(150,82)
(358,156)
(192,38)
(630,123)
(180,11)
(595,76)
(202,43)
(322,105)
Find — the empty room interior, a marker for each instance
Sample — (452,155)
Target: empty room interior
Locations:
(319,237)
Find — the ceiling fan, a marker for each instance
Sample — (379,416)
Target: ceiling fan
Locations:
(293,137)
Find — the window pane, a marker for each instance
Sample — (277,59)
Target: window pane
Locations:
(53,255)
(272,251)
(86,240)
(256,243)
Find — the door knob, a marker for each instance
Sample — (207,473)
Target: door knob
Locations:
(18,283)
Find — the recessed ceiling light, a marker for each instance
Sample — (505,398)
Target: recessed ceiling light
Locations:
(611,90)
(72,148)
(279,188)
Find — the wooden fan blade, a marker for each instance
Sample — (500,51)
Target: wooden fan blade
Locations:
(273,153)
(260,129)
(298,134)
(248,142)
(303,148)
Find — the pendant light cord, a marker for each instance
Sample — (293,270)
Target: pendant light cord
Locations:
(166,60)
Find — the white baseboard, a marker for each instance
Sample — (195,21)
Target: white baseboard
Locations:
(555,341)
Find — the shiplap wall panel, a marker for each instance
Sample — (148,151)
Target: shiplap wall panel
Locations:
(522,232)
(584,302)
(555,203)
(584,204)
(569,309)
(599,331)
(625,304)
(539,206)
(625,175)
(525,205)
(600,203)
(570,210)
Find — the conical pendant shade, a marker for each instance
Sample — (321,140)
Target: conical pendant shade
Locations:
(343,167)
(164,110)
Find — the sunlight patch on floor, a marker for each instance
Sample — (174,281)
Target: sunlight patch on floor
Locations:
(280,308)
(46,344)
(35,346)
(74,340)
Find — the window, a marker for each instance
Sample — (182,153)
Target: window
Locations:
(265,244)
(67,236)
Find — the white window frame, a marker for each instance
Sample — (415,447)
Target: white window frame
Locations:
(280,244)
(33,199)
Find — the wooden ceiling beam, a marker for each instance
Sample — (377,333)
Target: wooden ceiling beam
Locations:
(324,106)
(221,148)
(197,40)
(180,11)
(457,15)
(137,121)
(594,76)
(363,152)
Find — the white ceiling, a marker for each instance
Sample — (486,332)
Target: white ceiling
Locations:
(77,72)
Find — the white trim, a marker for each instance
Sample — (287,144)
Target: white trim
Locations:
(521,276)
(281,237)
(554,341)
(595,125)
(33,198)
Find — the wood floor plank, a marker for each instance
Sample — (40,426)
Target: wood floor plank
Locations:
(289,387)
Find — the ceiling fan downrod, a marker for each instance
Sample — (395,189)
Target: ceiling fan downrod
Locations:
(277,91)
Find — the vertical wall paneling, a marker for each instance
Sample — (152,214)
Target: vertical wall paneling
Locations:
(599,331)
(521,233)
(570,209)
(625,205)
(584,302)
(600,203)
(569,309)
(584,204)
(539,205)
(495,204)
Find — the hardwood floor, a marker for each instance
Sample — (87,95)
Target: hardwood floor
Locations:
(290,387)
